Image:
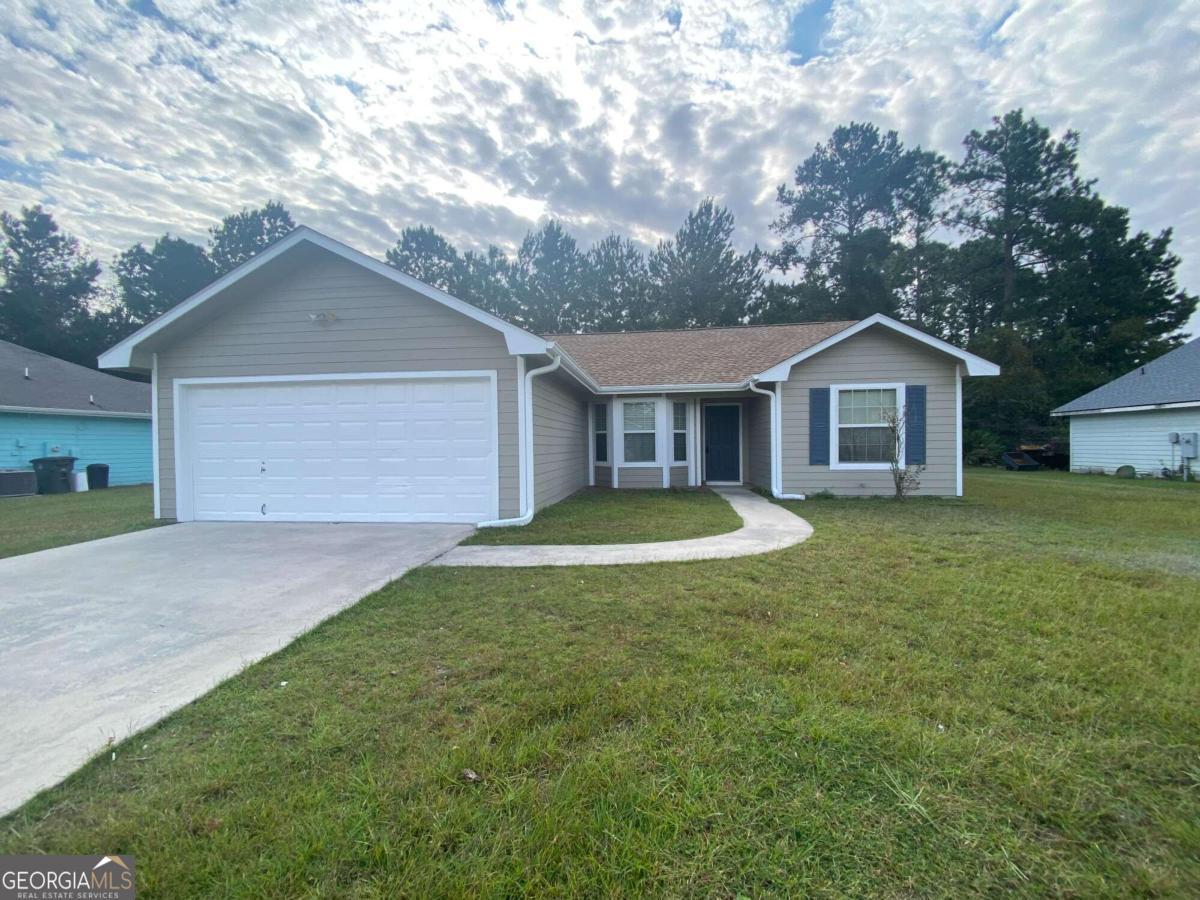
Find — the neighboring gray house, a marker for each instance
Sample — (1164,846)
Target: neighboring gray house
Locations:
(1130,420)
(314,383)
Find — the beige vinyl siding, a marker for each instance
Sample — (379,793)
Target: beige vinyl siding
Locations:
(874,355)
(264,327)
(758,441)
(560,439)
(679,476)
(640,477)
(604,476)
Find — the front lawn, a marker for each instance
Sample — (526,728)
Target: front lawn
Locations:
(600,516)
(51,520)
(936,698)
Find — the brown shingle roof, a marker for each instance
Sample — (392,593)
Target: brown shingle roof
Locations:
(693,356)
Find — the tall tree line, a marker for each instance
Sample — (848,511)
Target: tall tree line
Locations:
(51,298)
(1008,252)
(552,285)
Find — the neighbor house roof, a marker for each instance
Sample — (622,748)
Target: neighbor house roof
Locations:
(690,356)
(1173,378)
(55,385)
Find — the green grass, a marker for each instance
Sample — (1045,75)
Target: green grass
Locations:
(599,516)
(935,698)
(52,520)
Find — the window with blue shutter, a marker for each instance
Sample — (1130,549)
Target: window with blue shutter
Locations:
(914,425)
(818,426)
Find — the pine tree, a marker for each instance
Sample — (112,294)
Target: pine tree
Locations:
(47,284)
(246,233)
(697,278)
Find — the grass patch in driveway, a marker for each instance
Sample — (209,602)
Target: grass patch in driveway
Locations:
(35,523)
(603,516)
(935,698)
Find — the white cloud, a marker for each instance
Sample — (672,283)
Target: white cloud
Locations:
(482,119)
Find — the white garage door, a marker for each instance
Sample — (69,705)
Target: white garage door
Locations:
(378,450)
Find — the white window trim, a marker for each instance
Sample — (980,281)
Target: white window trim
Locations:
(687,447)
(657,432)
(663,437)
(693,443)
(590,450)
(834,406)
(595,432)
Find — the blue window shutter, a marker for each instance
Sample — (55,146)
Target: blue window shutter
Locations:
(914,426)
(818,426)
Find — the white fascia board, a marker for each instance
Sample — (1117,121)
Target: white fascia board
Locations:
(50,411)
(975,365)
(673,388)
(517,339)
(1182,404)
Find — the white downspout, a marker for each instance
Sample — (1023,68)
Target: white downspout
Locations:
(776,443)
(154,422)
(526,426)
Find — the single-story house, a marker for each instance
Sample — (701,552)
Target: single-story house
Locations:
(1147,418)
(51,407)
(315,383)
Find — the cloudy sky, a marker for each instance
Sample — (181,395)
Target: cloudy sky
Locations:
(483,118)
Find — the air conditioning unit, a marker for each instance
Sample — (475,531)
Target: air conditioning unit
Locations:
(17,482)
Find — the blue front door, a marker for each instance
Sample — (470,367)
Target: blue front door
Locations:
(722,443)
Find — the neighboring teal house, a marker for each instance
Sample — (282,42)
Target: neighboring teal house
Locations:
(50,407)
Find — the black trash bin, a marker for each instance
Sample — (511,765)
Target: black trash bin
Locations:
(97,476)
(53,473)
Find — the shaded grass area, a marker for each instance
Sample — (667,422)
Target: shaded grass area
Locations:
(1147,523)
(602,516)
(52,520)
(935,698)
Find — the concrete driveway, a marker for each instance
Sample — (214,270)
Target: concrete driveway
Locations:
(101,639)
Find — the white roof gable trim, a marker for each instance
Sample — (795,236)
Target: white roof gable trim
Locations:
(975,365)
(517,339)
(1104,410)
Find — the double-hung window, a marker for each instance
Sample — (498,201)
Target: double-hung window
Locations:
(600,430)
(679,426)
(639,436)
(861,436)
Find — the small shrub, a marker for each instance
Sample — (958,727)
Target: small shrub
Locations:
(980,456)
(906,478)
(983,447)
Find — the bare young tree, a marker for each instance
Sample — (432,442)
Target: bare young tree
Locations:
(906,478)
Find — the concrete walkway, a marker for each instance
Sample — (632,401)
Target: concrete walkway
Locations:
(765,527)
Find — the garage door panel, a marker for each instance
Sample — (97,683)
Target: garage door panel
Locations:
(386,450)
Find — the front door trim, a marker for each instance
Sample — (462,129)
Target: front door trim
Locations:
(704,443)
